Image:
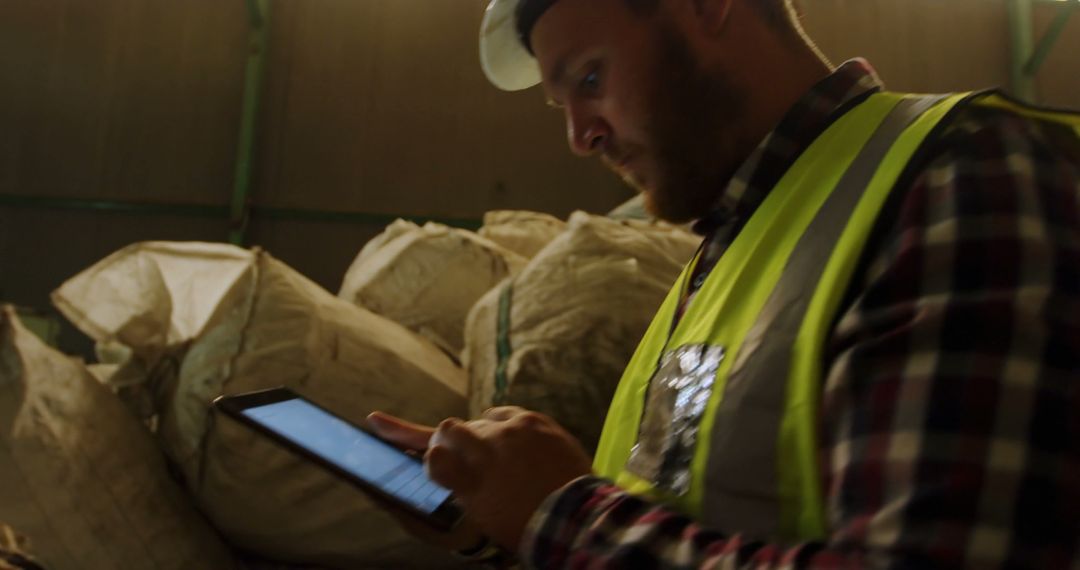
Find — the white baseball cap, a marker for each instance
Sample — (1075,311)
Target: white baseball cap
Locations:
(507,62)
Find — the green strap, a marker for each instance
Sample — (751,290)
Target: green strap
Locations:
(502,343)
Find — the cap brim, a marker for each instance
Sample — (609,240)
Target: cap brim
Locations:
(506,63)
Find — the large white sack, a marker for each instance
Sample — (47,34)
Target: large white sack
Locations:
(152,295)
(632,209)
(397,228)
(521,231)
(427,278)
(273,327)
(81,477)
(144,303)
(570,321)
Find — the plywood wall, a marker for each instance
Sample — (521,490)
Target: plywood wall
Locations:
(381,106)
(917,45)
(1058,80)
(122,99)
(370,105)
(943,45)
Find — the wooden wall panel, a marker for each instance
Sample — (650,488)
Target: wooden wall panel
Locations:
(917,45)
(1058,80)
(120,99)
(381,107)
(943,45)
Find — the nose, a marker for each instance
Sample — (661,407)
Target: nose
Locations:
(586,132)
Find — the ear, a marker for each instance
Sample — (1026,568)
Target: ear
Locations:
(712,15)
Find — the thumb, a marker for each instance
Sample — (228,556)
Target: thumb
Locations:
(399,432)
(449,469)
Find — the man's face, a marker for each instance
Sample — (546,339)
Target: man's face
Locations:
(634,92)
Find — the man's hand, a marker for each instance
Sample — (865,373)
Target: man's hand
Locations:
(501,466)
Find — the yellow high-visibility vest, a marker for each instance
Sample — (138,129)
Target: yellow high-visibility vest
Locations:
(764,313)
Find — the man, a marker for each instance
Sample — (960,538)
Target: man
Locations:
(873,360)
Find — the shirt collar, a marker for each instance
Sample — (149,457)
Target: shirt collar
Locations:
(800,126)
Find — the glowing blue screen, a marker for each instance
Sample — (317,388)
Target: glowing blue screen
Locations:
(352,450)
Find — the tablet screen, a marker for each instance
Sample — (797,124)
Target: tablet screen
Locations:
(352,450)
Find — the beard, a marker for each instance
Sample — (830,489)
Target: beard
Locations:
(691,133)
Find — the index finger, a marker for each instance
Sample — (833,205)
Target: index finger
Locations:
(399,432)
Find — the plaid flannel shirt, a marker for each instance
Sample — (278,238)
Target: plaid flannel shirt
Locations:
(950,416)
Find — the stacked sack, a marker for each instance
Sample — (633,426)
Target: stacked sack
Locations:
(427,278)
(520,231)
(203,320)
(556,337)
(81,476)
(632,209)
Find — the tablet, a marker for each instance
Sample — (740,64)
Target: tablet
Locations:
(345,449)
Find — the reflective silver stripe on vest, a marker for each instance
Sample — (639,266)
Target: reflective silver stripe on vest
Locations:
(741,475)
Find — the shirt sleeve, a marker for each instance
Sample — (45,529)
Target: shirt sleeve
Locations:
(947,436)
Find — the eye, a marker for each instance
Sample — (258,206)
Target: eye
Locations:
(590,82)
